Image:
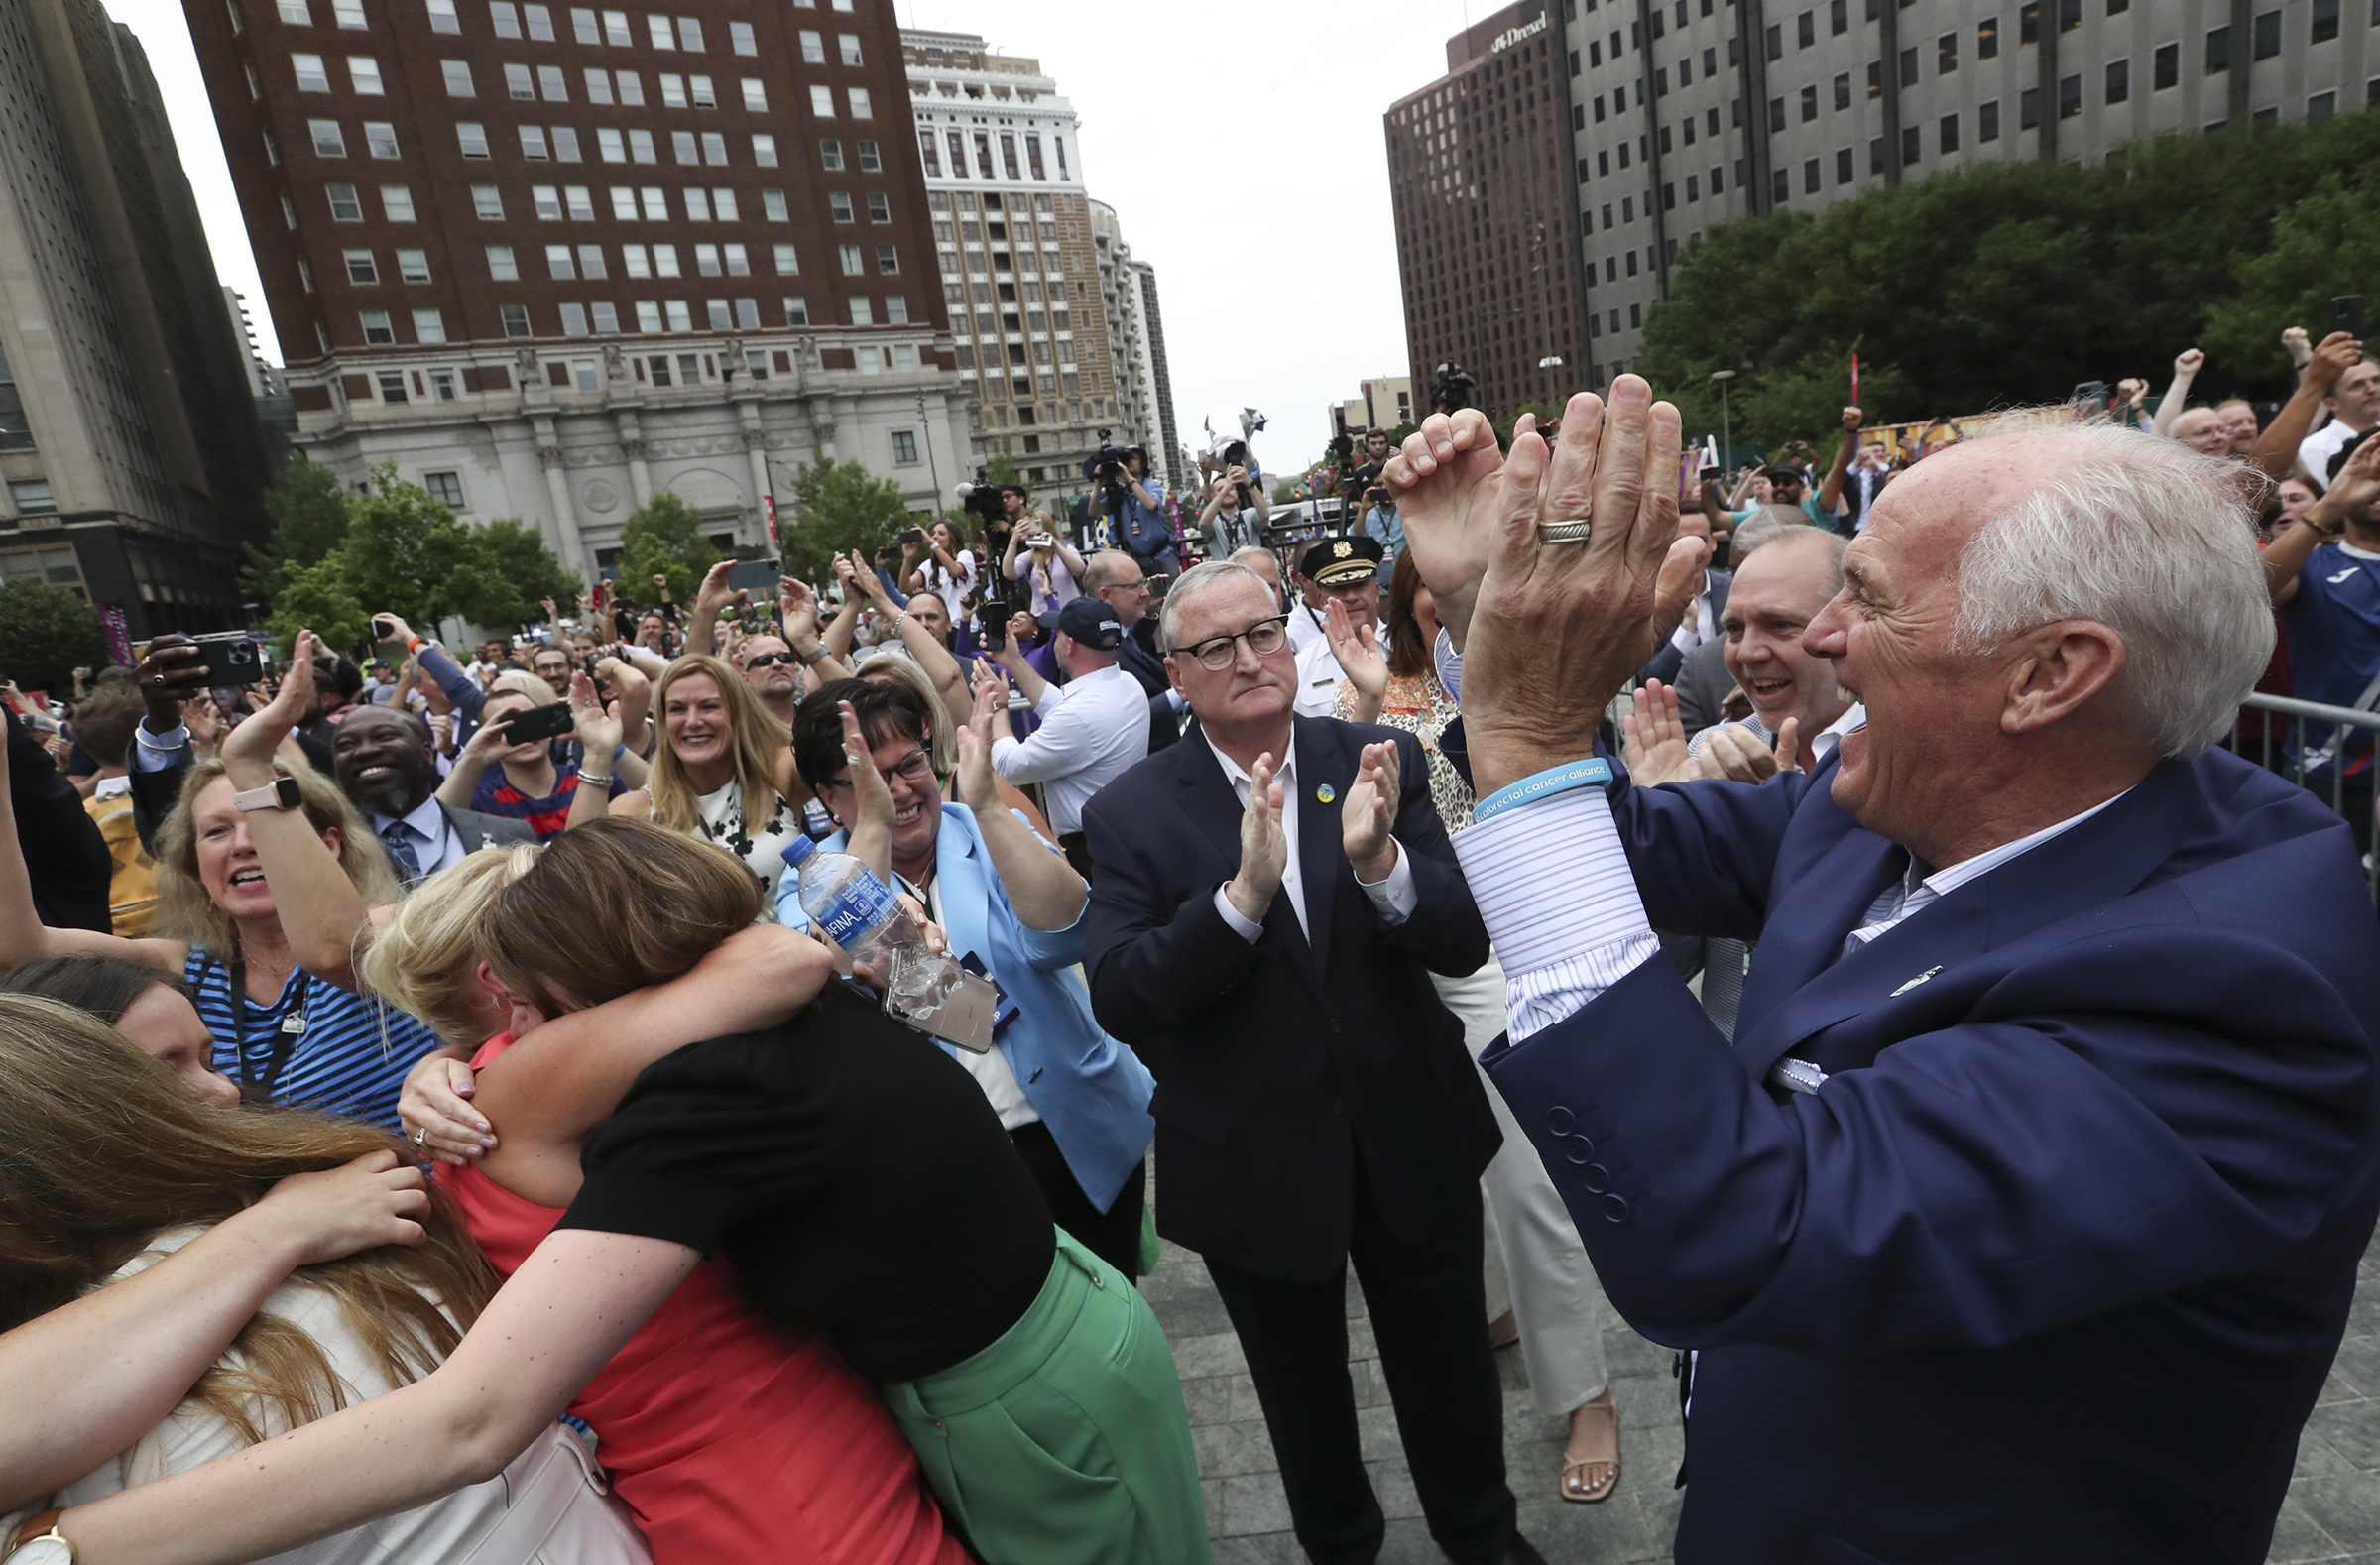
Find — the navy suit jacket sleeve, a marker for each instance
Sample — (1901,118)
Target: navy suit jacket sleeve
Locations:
(1445,933)
(1705,853)
(1154,962)
(2160,1096)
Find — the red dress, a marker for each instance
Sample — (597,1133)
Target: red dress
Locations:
(734,1442)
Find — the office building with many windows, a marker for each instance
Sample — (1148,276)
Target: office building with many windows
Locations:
(131,463)
(1030,263)
(1684,113)
(550,258)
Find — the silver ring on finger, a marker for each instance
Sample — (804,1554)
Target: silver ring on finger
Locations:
(1571,529)
(422,1137)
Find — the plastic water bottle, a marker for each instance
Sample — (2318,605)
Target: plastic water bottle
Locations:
(858,912)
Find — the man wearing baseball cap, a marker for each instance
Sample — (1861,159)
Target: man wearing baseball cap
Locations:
(1345,571)
(1093,727)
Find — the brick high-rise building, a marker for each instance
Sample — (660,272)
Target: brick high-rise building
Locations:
(548,258)
(1487,214)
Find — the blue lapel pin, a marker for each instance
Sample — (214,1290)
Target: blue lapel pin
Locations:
(1326,793)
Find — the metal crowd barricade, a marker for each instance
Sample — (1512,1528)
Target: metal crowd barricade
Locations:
(2271,732)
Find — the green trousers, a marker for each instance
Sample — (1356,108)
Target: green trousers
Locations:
(1065,1442)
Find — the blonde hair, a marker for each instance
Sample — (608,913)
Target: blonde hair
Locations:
(943,741)
(185,911)
(513,681)
(426,960)
(106,1152)
(757,735)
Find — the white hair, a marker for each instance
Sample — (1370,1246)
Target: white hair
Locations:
(2151,540)
(1197,579)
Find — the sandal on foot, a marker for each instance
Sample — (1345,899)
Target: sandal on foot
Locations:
(1577,1487)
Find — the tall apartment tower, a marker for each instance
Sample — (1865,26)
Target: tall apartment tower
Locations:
(1487,225)
(548,259)
(129,445)
(1126,313)
(1165,451)
(1687,112)
(1024,259)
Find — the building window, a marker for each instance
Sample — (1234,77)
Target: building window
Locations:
(1909,66)
(428,327)
(2218,49)
(392,386)
(2070,98)
(345,205)
(851,260)
(520,84)
(2321,105)
(787,263)
(739,38)
(714,149)
(764,149)
(1946,54)
(2325,22)
(822,102)
(1843,165)
(441,386)
(880,207)
(445,488)
(1988,121)
(590,262)
(380,138)
(632,89)
(413,266)
(575,320)
(360,268)
(859,109)
(814,48)
(329,142)
(312,76)
(2028,108)
(887,259)
(830,155)
(293,13)
(560,263)
(848,43)
(532,143)
(897,310)
(1780,191)
(31,497)
(738,259)
(1988,39)
(1911,151)
(2119,81)
(872,161)
(515,319)
(798,311)
(458,78)
(2266,41)
(689,35)
(363,72)
(838,204)
(1843,91)
(376,327)
(2168,66)
(905,448)
(500,264)
(863,311)
(1949,131)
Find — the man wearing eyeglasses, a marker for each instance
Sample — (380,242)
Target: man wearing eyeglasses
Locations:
(1270,896)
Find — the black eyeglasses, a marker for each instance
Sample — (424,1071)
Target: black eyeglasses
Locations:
(915,767)
(1265,638)
(764,659)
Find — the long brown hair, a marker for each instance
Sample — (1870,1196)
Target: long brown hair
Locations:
(756,733)
(614,906)
(1409,649)
(105,1151)
(184,909)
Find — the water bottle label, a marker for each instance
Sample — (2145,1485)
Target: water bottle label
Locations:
(855,907)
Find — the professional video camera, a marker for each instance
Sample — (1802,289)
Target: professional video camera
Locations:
(983,496)
(1453,388)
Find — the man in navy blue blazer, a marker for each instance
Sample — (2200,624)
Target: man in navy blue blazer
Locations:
(1267,896)
(2020,1221)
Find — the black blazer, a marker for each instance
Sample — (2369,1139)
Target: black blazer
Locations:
(1667,658)
(1279,1063)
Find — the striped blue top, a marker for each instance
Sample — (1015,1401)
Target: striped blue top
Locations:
(350,1053)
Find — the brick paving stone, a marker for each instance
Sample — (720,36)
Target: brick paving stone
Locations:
(2332,1513)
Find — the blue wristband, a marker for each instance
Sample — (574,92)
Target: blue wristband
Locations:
(1593,771)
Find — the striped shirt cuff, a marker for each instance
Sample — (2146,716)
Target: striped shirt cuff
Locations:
(1560,902)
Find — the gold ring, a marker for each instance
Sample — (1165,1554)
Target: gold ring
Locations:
(1572,530)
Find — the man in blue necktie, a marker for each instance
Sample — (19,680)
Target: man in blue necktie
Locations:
(382,759)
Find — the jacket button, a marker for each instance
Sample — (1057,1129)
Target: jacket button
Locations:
(1560,1121)
(1616,1208)
(1595,1178)
(1578,1148)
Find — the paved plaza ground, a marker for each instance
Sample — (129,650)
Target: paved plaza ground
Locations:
(2332,1512)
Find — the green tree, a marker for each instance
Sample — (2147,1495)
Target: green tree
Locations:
(519,569)
(663,538)
(2323,246)
(46,633)
(308,506)
(839,507)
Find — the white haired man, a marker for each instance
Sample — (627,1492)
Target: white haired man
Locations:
(2021,1218)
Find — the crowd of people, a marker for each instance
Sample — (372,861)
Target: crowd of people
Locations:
(445,1131)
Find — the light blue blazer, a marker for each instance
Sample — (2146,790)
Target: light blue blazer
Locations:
(1090,1090)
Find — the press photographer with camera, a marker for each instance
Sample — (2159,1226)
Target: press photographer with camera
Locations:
(1134,506)
(1235,511)
(948,569)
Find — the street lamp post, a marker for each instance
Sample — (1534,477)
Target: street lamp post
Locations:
(1727,435)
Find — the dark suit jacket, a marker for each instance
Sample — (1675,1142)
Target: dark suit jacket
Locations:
(1664,666)
(64,853)
(1702,684)
(2071,1229)
(1281,1064)
(1140,658)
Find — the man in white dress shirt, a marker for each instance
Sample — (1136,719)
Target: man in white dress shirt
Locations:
(1093,727)
(2049,1122)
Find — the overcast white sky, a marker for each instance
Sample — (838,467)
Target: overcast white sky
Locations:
(1238,141)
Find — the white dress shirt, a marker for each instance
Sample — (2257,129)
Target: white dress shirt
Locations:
(1698,625)
(1555,890)
(1819,748)
(1392,900)
(1092,731)
(437,846)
